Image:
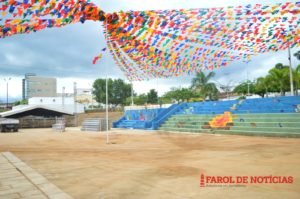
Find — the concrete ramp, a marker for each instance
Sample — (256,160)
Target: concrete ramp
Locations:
(18,180)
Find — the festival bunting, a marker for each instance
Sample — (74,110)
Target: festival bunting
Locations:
(167,43)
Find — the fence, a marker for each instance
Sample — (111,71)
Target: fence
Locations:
(44,122)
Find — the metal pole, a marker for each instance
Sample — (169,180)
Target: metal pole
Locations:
(92,98)
(248,86)
(7,91)
(291,72)
(75,105)
(106,90)
(63,97)
(157,91)
(7,94)
(131,93)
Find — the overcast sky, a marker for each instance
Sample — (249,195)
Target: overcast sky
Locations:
(67,53)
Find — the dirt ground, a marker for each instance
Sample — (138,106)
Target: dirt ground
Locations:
(139,164)
(113,116)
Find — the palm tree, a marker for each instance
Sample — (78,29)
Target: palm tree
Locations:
(296,75)
(201,84)
(261,87)
(279,66)
(297,55)
(279,78)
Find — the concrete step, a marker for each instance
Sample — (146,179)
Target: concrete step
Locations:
(235,132)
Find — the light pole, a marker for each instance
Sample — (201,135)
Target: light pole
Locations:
(63,97)
(106,89)
(291,72)
(226,87)
(7,80)
(248,81)
(90,102)
(132,94)
(75,105)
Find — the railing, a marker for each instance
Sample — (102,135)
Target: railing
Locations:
(166,114)
(114,124)
(43,122)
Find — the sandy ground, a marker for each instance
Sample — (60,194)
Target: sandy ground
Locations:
(139,164)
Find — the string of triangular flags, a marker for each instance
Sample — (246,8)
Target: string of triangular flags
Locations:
(167,43)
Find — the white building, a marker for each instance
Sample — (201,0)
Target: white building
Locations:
(64,103)
(35,86)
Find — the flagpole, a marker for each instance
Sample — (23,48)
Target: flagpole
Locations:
(291,72)
(131,94)
(106,92)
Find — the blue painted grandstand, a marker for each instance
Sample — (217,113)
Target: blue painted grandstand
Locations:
(138,119)
(263,116)
(269,105)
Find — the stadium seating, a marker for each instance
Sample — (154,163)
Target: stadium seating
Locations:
(138,119)
(278,124)
(279,116)
(264,116)
(269,105)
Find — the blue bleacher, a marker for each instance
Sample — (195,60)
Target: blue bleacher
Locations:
(282,104)
(269,105)
(153,118)
(137,119)
(211,107)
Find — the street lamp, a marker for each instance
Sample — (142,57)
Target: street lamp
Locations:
(291,71)
(63,97)
(248,81)
(7,80)
(225,87)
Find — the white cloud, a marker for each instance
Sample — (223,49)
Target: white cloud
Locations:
(14,87)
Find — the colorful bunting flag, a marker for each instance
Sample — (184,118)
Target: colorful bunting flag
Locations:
(166,43)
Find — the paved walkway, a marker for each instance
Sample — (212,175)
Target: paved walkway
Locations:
(17,180)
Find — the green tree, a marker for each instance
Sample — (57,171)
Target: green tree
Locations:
(296,75)
(262,86)
(201,84)
(279,79)
(184,94)
(99,90)
(243,88)
(297,55)
(21,102)
(118,91)
(152,97)
(280,66)
(141,99)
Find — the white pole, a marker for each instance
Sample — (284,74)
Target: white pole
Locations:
(248,86)
(157,91)
(7,91)
(63,97)
(92,98)
(131,94)
(75,105)
(75,96)
(291,72)
(106,90)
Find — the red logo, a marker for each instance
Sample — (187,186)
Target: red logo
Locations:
(202,181)
(242,181)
